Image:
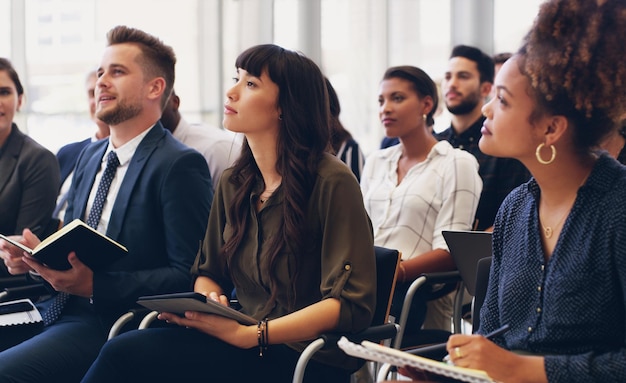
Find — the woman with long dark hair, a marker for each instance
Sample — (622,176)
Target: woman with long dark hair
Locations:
(287,230)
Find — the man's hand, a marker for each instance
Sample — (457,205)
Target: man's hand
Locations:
(12,255)
(78,280)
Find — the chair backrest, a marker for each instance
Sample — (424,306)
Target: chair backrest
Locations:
(387,261)
(466,248)
(482,280)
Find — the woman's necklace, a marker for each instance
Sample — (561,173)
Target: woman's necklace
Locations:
(548,231)
(266,194)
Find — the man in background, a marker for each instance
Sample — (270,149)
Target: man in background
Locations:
(68,154)
(498,60)
(466,86)
(219,147)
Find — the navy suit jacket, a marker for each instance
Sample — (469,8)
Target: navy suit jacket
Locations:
(160,214)
(68,155)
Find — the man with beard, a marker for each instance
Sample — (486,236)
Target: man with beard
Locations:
(156,204)
(466,85)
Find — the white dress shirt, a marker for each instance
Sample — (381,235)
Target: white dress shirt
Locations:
(124,154)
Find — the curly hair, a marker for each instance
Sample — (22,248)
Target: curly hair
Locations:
(573,59)
(303,139)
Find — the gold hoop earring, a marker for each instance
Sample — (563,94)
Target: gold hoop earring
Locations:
(538,154)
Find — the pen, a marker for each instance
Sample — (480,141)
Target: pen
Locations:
(489,336)
(442,346)
(497,332)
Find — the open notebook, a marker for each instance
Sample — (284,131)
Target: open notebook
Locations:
(373,351)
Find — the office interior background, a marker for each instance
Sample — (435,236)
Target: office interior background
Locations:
(54,43)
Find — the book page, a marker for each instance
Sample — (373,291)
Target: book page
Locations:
(373,351)
(66,229)
(59,233)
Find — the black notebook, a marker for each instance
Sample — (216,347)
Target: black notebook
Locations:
(93,248)
(178,303)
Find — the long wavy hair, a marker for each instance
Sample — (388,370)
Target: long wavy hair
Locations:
(303,138)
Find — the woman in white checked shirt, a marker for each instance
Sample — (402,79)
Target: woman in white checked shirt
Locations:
(416,189)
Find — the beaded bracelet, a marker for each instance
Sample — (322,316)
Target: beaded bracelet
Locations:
(262,335)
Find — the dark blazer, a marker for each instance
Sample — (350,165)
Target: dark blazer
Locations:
(29,184)
(68,155)
(160,214)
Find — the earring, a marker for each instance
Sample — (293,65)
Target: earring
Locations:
(280,116)
(538,154)
(424,117)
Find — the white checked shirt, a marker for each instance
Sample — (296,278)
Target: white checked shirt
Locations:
(440,193)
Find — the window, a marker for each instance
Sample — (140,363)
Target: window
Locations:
(63,40)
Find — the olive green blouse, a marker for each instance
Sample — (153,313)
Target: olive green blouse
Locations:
(338,261)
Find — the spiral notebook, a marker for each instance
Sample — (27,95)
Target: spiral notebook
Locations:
(373,351)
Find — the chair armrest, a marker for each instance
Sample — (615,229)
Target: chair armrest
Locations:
(20,292)
(329,340)
(442,277)
(422,280)
(373,334)
(148,319)
(15,280)
(137,312)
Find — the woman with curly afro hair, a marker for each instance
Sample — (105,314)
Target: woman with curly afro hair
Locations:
(558,274)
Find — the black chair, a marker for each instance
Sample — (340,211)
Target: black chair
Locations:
(436,351)
(387,261)
(482,277)
(450,281)
(466,248)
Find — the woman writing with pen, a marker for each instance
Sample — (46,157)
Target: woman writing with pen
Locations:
(558,275)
